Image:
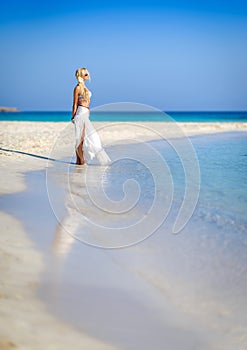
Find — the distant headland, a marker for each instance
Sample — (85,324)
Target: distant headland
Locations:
(9,109)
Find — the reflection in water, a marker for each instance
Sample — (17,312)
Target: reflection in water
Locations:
(64,236)
(113,206)
(62,242)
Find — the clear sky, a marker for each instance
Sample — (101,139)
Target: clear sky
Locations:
(173,55)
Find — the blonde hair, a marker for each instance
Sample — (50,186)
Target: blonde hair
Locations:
(79,74)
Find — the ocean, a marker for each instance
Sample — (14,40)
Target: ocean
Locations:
(129,116)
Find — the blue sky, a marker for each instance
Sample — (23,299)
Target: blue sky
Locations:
(172,55)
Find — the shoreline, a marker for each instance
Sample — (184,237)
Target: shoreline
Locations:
(39,136)
(23,313)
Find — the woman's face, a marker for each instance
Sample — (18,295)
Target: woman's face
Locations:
(86,75)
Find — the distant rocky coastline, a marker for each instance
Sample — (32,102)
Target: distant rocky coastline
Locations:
(9,109)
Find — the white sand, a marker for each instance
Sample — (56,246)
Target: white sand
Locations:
(25,323)
(39,137)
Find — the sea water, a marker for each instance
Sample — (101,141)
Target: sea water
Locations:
(63,116)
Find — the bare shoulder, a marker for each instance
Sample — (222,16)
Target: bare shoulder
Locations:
(76,91)
(77,88)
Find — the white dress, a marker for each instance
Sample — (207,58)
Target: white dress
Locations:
(92,146)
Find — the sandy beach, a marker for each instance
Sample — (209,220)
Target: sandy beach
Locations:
(38,137)
(25,321)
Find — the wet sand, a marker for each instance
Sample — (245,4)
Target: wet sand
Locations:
(117,306)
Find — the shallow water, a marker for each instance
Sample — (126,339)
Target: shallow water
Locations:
(185,290)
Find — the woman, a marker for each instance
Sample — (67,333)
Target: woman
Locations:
(88,144)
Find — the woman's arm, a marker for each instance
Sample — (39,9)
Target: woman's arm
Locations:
(75,101)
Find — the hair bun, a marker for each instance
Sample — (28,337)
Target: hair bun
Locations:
(80,79)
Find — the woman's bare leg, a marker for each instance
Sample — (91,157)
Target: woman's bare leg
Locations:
(79,152)
(79,155)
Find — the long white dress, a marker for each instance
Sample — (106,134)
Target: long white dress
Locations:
(92,146)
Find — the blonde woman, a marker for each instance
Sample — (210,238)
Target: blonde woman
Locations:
(88,144)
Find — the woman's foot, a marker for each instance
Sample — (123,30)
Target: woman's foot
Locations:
(78,162)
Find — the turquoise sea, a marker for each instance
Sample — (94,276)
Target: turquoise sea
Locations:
(64,116)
